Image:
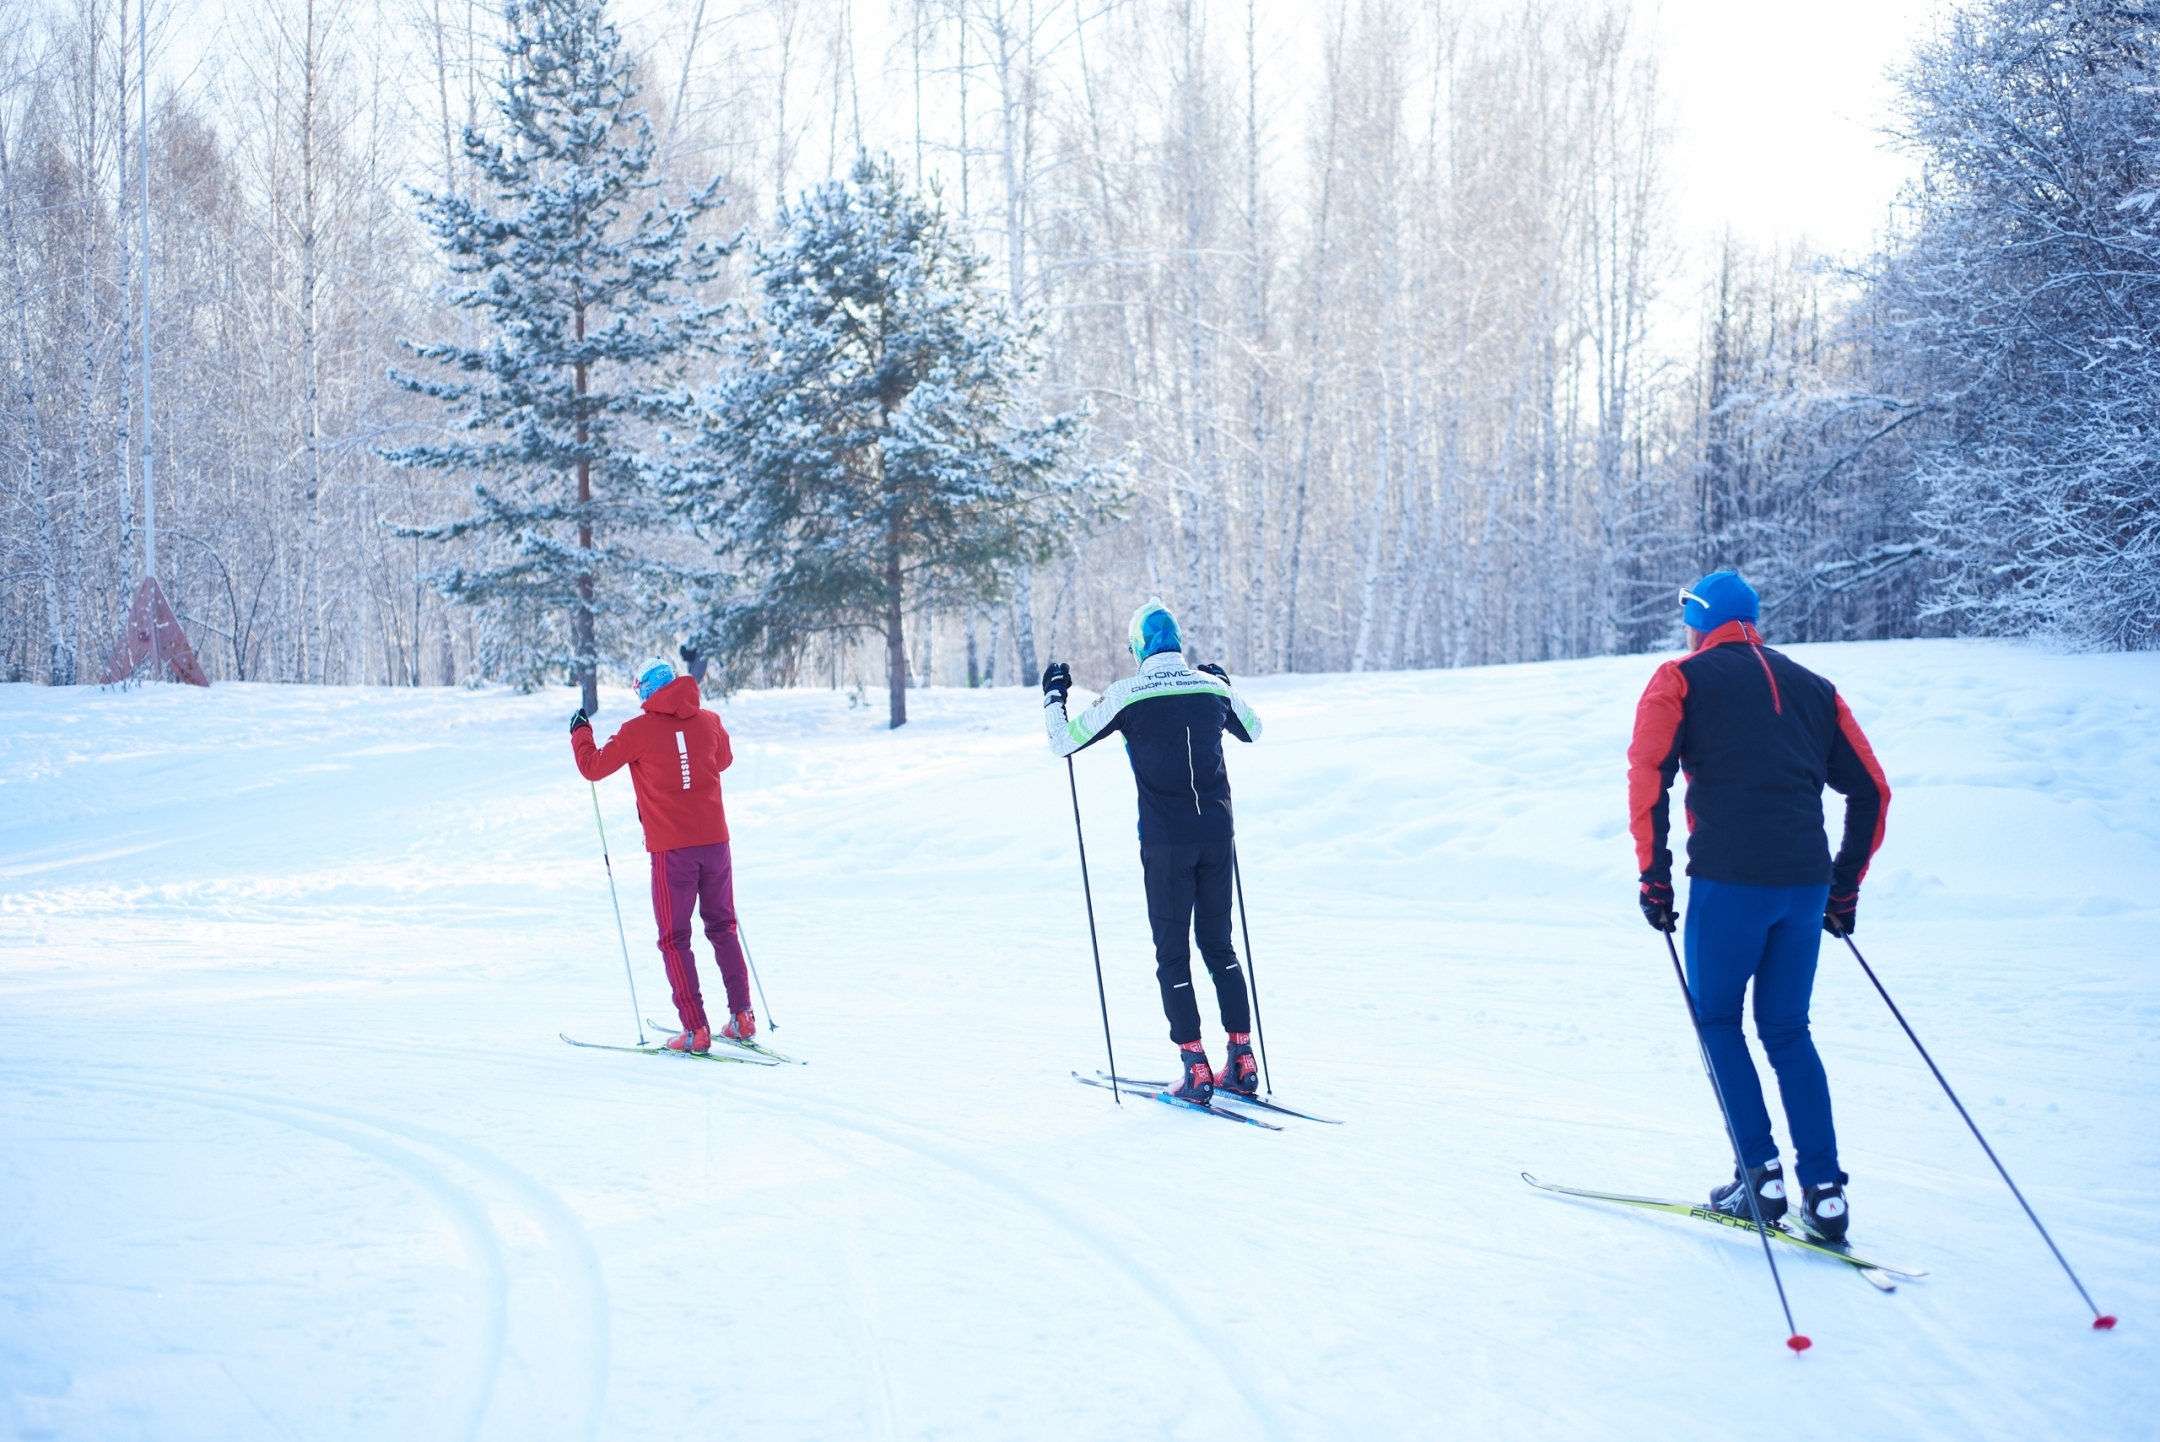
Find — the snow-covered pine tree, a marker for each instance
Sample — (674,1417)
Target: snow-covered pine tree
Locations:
(2022,304)
(869,452)
(588,321)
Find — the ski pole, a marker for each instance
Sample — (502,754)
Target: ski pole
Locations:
(1793,1338)
(2102,1321)
(635,1014)
(1088,891)
(1259,1031)
(754,976)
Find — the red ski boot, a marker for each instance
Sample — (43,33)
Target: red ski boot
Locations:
(698,1040)
(1196,1078)
(741,1027)
(1240,1075)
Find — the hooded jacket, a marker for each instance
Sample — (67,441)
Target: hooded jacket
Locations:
(1758,736)
(675,750)
(1173,718)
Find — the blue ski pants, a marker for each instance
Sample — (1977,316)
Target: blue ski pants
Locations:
(1770,934)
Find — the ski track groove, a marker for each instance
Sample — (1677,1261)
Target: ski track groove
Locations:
(862,1297)
(1220,1351)
(1217,1347)
(467,1212)
(850,1116)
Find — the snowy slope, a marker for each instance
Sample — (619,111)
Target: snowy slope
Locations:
(288,1147)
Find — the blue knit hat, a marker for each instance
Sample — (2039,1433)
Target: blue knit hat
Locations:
(652,675)
(1153,631)
(1717,598)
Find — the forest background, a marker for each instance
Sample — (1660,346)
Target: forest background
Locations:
(1378,306)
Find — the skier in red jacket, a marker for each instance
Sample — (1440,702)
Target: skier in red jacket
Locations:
(1758,736)
(676,750)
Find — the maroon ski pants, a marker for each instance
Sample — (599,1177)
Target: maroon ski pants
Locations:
(704,877)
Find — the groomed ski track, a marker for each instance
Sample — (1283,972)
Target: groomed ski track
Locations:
(288,1145)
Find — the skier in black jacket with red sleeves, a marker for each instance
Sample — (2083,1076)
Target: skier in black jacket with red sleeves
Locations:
(1758,736)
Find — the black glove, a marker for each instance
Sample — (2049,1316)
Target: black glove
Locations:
(1840,916)
(581,721)
(1657,905)
(1057,680)
(1216,671)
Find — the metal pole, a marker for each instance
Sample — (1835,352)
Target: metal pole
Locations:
(1793,1339)
(2101,1320)
(1260,1032)
(749,962)
(636,1015)
(1088,891)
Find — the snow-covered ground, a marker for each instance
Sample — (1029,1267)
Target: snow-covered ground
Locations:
(288,1146)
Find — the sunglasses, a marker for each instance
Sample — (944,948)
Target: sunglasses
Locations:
(1686,596)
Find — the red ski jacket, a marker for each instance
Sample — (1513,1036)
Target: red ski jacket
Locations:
(675,750)
(1759,736)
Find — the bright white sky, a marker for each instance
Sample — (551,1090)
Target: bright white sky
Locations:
(1778,105)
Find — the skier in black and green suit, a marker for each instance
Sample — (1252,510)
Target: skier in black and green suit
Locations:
(1173,717)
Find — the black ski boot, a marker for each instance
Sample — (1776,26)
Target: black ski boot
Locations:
(1240,1075)
(1196,1079)
(1824,1216)
(1768,1182)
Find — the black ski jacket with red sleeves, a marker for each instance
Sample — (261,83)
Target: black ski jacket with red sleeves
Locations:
(1758,736)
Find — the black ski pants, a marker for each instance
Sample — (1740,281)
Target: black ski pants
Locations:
(1188,893)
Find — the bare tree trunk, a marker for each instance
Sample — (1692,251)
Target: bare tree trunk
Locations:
(587,664)
(786,13)
(33,445)
(1376,517)
(1023,609)
(124,440)
(87,196)
(1295,549)
(1129,351)
(896,668)
(1013,59)
(442,97)
(1203,621)
(311,348)
(1256,341)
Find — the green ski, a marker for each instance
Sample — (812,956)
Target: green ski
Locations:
(1877,1273)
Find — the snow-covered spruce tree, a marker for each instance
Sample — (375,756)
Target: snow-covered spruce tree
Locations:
(2024,303)
(869,450)
(587,322)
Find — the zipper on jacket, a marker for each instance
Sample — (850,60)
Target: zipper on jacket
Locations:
(1192,774)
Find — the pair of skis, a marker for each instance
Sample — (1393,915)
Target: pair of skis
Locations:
(1880,1275)
(755,1048)
(658,1050)
(1159,1090)
(749,1053)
